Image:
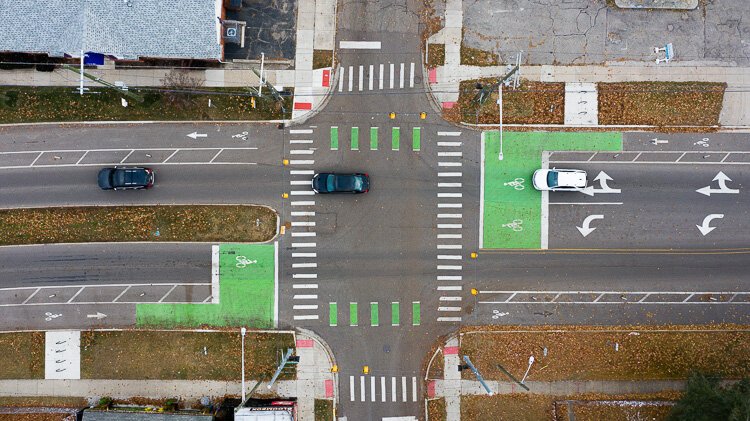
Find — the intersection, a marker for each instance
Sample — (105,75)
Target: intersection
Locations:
(661,236)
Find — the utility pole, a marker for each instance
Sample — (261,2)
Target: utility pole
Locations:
(80,89)
(476,373)
(281,367)
(260,84)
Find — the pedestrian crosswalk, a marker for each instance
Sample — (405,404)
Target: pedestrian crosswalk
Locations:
(377,76)
(374,314)
(304,267)
(449,227)
(370,388)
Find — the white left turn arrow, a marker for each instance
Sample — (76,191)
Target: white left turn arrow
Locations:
(196,135)
(96,316)
(586,228)
(706,228)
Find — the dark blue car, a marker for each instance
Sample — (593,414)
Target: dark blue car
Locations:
(126,178)
(341,183)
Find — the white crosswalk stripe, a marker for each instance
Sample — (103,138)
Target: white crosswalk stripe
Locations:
(400,389)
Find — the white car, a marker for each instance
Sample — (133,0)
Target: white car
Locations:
(559,180)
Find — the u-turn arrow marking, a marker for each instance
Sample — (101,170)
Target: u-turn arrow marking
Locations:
(706,228)
(586,228)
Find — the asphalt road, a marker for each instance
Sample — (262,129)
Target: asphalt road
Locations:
(378,249)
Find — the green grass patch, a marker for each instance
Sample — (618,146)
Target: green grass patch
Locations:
(164,355)
(246,294)
(661,103)
(505,208)
(475,57)
(530,103)
(211,223)
(435,55)
(322,59)
(436,410)
(323,410)
(658,353)
(22,356)
(20,104)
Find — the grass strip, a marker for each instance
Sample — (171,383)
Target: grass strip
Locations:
(584,407)
(436,410)
(323,410)
(176,355)
(530,103)
(661,103)
(225,223)
(622,353)
(20,104)
(22,356)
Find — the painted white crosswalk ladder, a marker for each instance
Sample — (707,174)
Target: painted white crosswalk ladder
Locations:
(403,395)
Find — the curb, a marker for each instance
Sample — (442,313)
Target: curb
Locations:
(331,359)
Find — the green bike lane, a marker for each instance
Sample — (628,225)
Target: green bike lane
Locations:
(246,280)
(511,209)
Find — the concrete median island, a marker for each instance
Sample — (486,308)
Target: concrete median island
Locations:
(195,223)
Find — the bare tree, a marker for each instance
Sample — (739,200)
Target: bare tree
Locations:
(179,85)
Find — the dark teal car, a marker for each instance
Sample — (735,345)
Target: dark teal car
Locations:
(341,183)
(126,178)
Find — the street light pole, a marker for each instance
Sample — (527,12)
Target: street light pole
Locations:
(531,361)
(242,333)
(500,105)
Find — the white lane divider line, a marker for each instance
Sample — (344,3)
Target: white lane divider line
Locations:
(380,77)
(361,76)
(303,234)
(411,75)
(341,79)
(369,78)
(391,66)
(351,78)
(305,255)
(298,213)
(401,77)
(304,265)
(359,45)
(449,236)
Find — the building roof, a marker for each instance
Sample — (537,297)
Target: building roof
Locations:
(127,29)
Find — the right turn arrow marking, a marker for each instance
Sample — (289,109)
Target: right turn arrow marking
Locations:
(705,228)
(586,228)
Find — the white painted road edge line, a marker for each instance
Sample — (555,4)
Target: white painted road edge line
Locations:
(586,203)
(276,284)
(545,207)
(215,274)
(359,45)
(481,193)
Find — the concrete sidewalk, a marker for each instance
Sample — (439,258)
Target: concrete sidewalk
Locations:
(314,381)
(444,80)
